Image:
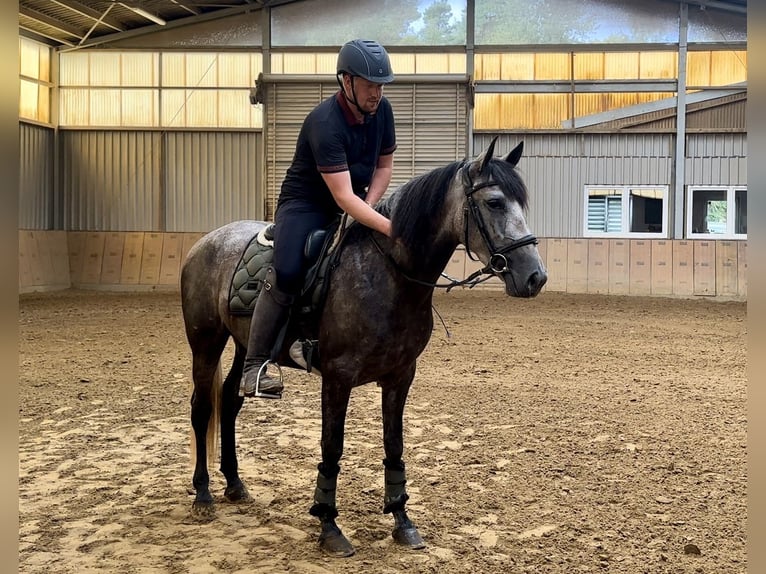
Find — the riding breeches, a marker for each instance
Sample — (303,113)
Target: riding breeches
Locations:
(295,220)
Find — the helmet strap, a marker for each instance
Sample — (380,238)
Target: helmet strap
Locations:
(365,115)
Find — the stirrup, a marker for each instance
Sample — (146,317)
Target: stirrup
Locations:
(265,395)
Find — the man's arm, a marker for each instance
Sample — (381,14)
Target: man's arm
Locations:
(380,178)
(340,187)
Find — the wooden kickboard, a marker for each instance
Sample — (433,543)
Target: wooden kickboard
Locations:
(704,267)
(76,241)
(619,266)
(94,256)
(726,268)
(742,268)
(151,259)
(43,274)
(132,253)
(542,250)
(59,249)
(557,264)
(662,267)
(111,267)
(577,266)
(170,266)
(25,266)
(640,267)
(683,268)
(598,266)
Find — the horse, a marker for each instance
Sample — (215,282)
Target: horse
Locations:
(375,322)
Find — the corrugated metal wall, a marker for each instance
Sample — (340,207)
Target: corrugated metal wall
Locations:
(213,178)
(36,172)
(159,181)
(555,168)
(111,180)
(716,159)
(430,127)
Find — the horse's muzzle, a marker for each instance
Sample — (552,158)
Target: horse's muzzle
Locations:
(521,286)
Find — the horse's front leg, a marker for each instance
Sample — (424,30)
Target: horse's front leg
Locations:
(335,397)
(394,396)
(231,403)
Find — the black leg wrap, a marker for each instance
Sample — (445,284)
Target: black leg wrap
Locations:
(396,496)
(324,493)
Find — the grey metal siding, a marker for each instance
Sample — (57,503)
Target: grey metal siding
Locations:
(111,180)
(716,159)
(430,127)
(556,167)
(36,171)
(212,178)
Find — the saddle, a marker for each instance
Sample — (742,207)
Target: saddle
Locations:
(320,255)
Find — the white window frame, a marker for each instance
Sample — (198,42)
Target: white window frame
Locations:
(625,226)
(731,193)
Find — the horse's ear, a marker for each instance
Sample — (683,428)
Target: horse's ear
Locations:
(484,158)
(515,155)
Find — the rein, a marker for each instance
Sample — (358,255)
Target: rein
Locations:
(498,260)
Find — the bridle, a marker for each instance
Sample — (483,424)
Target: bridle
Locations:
(498,259)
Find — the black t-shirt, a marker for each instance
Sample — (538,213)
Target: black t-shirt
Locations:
(330,141)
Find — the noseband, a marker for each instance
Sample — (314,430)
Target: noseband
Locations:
(498,259)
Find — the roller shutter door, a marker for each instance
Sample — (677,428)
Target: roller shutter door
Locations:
(430,126)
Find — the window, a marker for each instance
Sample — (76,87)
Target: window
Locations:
(618,211)
(717,213)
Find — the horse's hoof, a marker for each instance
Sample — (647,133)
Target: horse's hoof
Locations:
(336,544)
(203,511)
(409,537)
(237,493)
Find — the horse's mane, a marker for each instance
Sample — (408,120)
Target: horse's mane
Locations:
(415,206)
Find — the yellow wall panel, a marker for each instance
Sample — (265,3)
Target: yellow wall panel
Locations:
(457,64)
(201,69)
(621,66)
(431,63)
(552,67)
(325,63)
(698,69)
(140,108)
(589,66)
(490,68)
(550,110)
(234,109)
(44,104)
(658,65)
(173,108)
(299,63)
(104,69)
(516,111)
(201,108)
(234,70)
(74,107)
(28,99)
(140,69)
(586,104)
(73,69)
(517,66)
(29,58)
(105,108)
(402,63)
(173,69)
(727,67)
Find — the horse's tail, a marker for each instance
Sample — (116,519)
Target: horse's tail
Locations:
(214,424)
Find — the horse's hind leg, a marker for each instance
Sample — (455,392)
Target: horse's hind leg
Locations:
(206,356)
(231,403)
(394,396)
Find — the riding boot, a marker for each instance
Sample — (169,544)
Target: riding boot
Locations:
(269,316)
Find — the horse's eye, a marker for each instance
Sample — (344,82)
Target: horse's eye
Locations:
(495,204)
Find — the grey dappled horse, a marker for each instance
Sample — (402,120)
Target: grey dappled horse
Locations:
(376,320)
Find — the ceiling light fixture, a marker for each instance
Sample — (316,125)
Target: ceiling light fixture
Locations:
(145,14)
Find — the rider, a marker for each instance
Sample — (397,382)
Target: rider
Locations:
(342,163)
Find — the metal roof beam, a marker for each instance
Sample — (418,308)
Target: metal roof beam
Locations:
(171,24)
(33,33)
(51,22)
(719,5)
(89,12)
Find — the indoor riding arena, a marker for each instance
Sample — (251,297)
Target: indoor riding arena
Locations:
(600,426)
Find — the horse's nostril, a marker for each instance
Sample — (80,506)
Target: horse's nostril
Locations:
(536,281)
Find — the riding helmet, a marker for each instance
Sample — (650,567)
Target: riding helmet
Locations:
(367,59)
